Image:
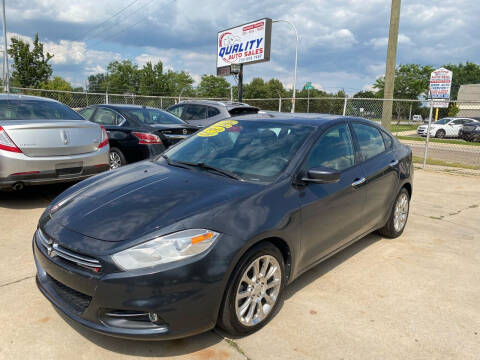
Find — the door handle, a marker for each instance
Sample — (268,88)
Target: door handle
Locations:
(358,182)
(393,163)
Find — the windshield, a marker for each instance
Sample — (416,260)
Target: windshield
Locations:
(442,121)
(251,149)
(151,116)
(36,110)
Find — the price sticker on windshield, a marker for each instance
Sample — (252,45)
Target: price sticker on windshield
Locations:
(217,128)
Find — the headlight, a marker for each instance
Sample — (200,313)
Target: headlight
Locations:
(166,249)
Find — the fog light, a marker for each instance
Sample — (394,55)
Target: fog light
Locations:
(153,317)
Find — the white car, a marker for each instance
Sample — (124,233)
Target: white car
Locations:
(445,127)
(417,118)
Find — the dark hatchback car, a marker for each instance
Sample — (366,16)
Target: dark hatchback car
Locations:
(470,132)
(212,231)
(137,132)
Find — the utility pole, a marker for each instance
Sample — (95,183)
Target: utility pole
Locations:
(5,52)
(240,84)
(390,66)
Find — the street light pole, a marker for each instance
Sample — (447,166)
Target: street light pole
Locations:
(5,52)
(279,100)
(180,95)
(296,58)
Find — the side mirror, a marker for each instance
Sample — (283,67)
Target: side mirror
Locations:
(322,175)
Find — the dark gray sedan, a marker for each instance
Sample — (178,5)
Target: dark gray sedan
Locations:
(211,232)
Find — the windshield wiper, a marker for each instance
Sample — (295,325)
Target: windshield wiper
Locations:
(212,168)
(173,163)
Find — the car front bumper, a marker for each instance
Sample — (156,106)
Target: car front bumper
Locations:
(17,167)
(185,297)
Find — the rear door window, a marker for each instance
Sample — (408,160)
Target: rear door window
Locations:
(105,117)
(387,140)
(212,112)
(177,110)
(369,139)
(195,112)
(86,113)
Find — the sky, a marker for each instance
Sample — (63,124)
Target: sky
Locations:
(342,43)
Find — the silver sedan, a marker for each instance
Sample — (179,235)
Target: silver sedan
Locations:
(44,141)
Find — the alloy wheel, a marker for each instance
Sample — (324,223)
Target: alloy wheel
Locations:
(258,290)
(115,160)
(401,212)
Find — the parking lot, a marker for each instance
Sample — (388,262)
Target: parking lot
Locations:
(413,297)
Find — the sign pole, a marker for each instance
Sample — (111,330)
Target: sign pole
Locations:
(308,100)
(240,84)
(428,134)
(436,114)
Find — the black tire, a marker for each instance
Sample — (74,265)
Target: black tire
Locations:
(440,134)
(228,320)
(116,158)
(389,229)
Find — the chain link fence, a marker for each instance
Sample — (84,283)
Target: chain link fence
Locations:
(444,148)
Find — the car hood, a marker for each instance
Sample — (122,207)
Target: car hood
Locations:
(144,197)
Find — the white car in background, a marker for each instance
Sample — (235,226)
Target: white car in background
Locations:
(445,127)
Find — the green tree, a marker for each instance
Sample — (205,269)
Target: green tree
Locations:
(179,82)
(411,81)
(97,83)
(367,94)
(152,79)
(123,77)
(213,87)
(468,73)
(58,83)
(31,67)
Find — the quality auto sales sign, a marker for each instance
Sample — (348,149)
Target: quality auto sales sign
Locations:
(244,44)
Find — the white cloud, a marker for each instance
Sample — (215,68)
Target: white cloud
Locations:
(383,41)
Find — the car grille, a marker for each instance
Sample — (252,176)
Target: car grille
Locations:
(68,256)
(76,300)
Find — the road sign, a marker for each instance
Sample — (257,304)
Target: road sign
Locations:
(440,85)
(244,44)
(308,86)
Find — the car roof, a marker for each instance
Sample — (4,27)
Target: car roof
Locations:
(125,106)
(299,118)
(228,104)
(4,96)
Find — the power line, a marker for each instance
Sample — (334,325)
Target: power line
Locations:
(115,34)
(95,28)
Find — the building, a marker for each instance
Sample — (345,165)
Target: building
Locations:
(469,100)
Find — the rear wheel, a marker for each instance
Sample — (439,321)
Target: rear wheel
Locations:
(398,216)
(254,292)
(440,134)
(116,158)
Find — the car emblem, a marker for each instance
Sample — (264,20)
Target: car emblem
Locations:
(185,131)
(65,135)
(50,249)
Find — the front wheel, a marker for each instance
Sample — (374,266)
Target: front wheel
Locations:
(398,216)
(440,134)
(254,292)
